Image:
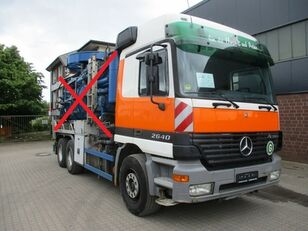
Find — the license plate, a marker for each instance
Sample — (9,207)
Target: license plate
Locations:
(246,177)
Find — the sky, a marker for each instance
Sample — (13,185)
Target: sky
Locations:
(45,29)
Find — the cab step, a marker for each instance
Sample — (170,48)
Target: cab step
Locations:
(165,202)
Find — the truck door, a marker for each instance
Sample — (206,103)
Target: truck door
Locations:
(147,115)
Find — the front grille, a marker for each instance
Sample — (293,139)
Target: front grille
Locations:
(221,151)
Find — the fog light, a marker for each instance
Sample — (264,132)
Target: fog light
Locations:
(275,175)
(201,189)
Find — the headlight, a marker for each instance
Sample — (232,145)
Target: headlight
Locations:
(201,189)
(274,175)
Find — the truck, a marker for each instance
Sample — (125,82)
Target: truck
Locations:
(191,111)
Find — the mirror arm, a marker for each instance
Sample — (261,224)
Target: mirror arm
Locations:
(161,106)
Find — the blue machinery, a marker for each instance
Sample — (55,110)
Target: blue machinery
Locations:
(82,67)
(77,64)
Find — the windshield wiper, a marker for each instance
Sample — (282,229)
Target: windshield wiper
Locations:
(266,101)
(235,105)
(215,105)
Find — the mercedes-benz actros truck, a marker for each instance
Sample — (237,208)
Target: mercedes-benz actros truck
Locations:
(190,108)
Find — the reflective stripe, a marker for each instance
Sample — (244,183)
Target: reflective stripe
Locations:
(179,108)
(183,117)
(179,118)
(186,123)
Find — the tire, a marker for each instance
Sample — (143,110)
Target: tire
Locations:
(61,152)
(71,165)
(134,186)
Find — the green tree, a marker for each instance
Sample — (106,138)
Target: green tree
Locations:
(20,85)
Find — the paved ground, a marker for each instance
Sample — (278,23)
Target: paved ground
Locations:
(35,194)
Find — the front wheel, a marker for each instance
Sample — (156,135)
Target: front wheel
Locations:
(72,166)
(134,186)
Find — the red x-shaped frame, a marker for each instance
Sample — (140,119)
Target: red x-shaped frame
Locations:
(80,97)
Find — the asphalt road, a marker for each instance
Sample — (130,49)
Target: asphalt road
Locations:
(36,194)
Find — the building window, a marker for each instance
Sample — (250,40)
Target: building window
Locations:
(262,38)
(284,36)
(287,42)
(54,75)
(272,44)
(299,39)
(307,37)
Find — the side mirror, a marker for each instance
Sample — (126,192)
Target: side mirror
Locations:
(152,59)
(152,76)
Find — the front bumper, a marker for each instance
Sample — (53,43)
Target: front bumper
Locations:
(224,180)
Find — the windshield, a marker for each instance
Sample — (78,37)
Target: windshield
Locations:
(206,72)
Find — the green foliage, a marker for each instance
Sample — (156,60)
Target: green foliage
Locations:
(20,85)
(44,108)
(41,123)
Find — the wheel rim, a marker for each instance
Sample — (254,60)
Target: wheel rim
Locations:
(60,154)
(69,158)
(132,185)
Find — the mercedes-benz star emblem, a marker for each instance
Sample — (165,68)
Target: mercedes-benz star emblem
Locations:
(246,146)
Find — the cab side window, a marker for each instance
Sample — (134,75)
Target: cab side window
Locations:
(161,83)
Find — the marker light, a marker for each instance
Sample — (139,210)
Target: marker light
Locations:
(180,178)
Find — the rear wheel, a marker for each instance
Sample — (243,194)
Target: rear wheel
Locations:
(61,152)
(134,186)
(71,165)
